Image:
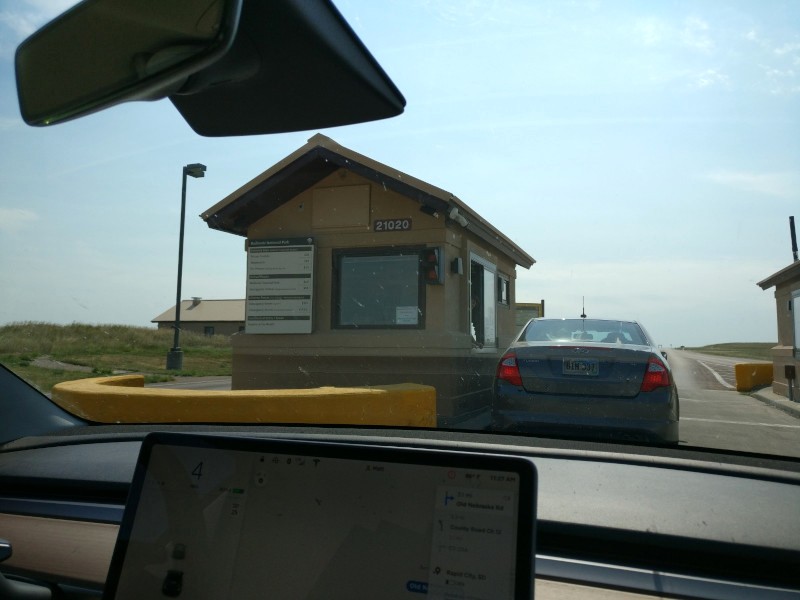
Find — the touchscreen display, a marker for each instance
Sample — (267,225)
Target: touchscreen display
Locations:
(231,518)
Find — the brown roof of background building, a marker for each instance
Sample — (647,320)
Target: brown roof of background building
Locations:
(201,310)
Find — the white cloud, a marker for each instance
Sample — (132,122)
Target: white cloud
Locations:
(21,23)
(26,17)
(781,81)
(651,31)
(711,77)
(695,34)
(466,12)
(787,48)
(15,219)
(9,123)
(779,185)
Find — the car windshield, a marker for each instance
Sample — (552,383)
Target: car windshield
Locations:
(555,165)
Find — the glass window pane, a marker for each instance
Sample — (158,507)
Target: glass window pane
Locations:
(379,290)
(489,309)
(502,290)
(476,303)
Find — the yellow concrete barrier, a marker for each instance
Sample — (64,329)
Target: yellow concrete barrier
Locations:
(751,375)
(124,399)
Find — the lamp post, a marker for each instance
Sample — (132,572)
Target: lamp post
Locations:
(175,355)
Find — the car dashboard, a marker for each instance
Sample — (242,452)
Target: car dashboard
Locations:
(649,522)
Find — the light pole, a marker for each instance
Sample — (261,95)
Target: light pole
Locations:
(175,355)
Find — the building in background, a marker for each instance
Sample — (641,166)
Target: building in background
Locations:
(786,355)
(527,311)
(209,317)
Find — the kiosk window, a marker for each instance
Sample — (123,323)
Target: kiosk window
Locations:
(503,290)
(378,289)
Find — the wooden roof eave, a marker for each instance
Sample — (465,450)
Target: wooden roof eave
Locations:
(321,157)
(236,213)
(785,275)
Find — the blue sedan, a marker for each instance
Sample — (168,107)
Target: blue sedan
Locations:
(586,377)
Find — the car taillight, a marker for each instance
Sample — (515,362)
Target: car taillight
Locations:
(655,376)
(508,370)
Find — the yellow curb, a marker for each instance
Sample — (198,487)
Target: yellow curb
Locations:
(752,375)
(124,399)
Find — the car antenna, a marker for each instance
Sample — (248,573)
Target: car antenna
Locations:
(583,307)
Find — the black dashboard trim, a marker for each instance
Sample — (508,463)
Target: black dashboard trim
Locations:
(702,460)
(654,581)
(63,509)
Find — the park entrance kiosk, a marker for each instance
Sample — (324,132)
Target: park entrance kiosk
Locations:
(361,275)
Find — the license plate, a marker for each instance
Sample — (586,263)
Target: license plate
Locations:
(581,366)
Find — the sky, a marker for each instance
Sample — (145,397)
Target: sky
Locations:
(647,155)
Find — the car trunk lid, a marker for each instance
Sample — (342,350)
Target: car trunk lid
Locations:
(591,370)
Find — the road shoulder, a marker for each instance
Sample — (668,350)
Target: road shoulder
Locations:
(782,403)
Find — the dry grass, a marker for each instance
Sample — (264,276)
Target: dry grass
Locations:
(106,349)
(754,350)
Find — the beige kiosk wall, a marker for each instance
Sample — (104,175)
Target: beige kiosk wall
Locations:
(783,354)
(338,213)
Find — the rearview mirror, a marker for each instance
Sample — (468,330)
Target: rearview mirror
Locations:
(104,52)
(230,67)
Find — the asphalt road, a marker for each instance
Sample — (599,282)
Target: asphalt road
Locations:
(714,414)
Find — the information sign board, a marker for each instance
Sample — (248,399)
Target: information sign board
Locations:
(280,284)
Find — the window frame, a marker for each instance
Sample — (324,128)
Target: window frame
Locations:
(503,284)
(794,318)
(336,285)
(486,267)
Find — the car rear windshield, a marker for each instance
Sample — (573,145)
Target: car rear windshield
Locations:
(584,330)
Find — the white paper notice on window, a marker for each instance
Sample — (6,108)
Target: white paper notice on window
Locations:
(406,315)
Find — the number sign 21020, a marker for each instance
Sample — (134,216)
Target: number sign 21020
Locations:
(392,224)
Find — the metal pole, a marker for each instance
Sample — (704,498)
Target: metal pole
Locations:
(175,356)
(177,339)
